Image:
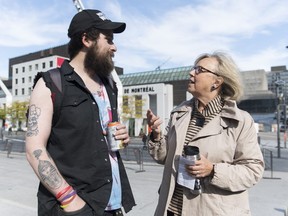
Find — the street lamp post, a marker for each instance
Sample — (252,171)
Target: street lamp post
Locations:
(279,83)
(278,130)
(285,140)
(285,117)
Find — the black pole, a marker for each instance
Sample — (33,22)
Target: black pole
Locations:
(278,97)
(278,131)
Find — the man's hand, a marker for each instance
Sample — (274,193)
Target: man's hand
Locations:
(122,134)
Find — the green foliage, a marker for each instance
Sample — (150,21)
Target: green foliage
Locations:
(17,112)
(132,106)
(2,113)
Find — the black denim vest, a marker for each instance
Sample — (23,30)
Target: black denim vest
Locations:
(78,147)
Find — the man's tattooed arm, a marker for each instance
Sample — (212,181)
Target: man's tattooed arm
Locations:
(48,173)
(33,117)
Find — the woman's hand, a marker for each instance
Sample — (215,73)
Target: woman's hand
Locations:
(201,169)
(154,122)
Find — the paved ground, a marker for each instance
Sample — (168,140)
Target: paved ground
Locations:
(18,184)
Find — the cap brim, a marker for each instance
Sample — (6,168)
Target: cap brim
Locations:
(117,27)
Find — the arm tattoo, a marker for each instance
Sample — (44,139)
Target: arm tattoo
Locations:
(47,172)
(34,113)
(37,153)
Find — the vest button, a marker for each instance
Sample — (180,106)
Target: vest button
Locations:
(108,180)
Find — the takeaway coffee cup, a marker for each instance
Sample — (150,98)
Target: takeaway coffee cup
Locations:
(192,153)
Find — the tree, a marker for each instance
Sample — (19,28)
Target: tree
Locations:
(133,110)
(16,113)
(132,107)
(2,113)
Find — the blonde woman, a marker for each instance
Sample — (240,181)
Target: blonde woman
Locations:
(231,160)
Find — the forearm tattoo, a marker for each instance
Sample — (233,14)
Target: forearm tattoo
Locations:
(34,113)
(47,172)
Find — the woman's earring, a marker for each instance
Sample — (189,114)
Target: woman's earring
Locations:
(213,87)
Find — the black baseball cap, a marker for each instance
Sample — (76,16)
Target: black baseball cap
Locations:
(93,18)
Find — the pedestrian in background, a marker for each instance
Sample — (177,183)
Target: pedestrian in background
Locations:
(2,132)
(144,140)
(230,161)
(79,175)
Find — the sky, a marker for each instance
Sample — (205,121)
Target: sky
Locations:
(159,33)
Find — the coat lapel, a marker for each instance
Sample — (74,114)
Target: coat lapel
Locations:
(230,112)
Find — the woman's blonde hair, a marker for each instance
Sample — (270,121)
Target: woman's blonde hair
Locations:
(228,70)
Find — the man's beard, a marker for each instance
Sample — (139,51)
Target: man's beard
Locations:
(97,63)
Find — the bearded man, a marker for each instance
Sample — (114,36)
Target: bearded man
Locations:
(78,173)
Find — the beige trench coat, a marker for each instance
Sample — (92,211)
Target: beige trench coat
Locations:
(230,141)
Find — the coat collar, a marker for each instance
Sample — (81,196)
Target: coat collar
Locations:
(230,109)
(230,112)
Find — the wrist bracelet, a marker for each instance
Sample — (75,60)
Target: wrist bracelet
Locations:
(65,204)
(59,194)
(68,201)
(73,192)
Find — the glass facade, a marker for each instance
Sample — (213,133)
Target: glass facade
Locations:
(156,76)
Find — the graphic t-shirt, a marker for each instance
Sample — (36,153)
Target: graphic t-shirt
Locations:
(102,99)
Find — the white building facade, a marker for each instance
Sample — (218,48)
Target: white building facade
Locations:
(138,99)
(23,75)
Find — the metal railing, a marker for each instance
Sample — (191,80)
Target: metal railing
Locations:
(134,154)
(268,160)
(12,145)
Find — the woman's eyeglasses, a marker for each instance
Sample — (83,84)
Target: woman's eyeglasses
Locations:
(200,69)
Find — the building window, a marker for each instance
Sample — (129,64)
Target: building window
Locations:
(16,70)
(16,81)
(51,63)
(23,80)
(30,79)
(43,65)
(125,104)
(30,67)
(23,69)
(23,91)
(36,66)
(138,106)
(29,90)
(16,92)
